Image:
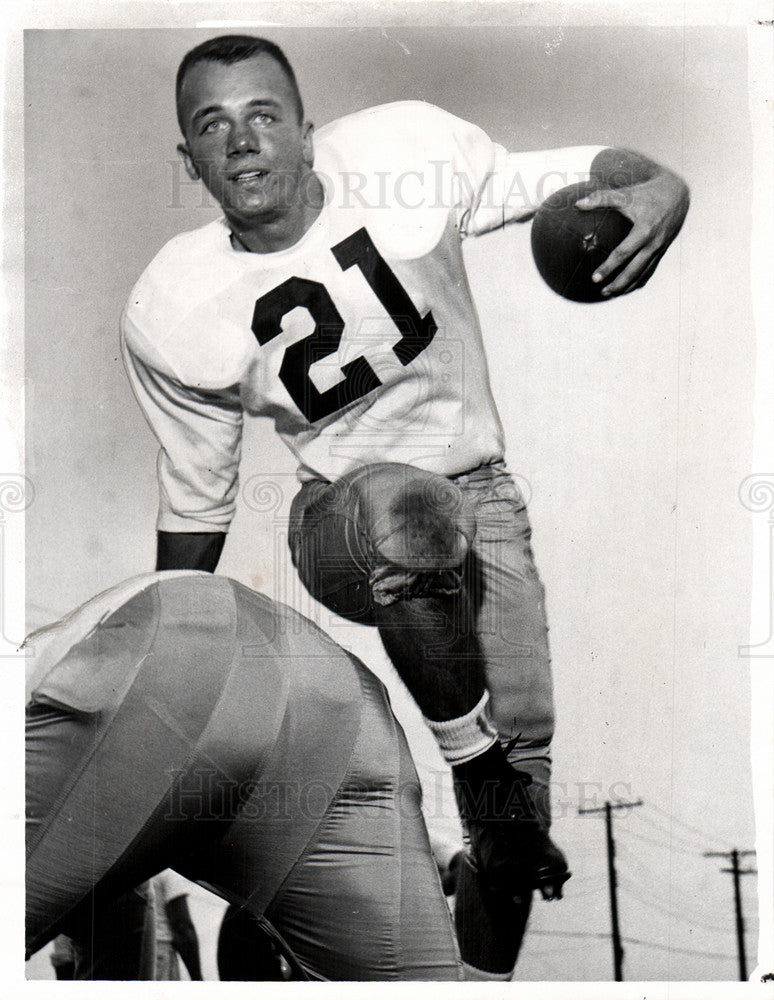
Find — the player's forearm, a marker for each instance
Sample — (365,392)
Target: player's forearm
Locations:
(617,168)
(189,550)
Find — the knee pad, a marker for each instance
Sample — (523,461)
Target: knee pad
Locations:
(416,528)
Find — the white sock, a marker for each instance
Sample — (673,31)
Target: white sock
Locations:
(462,739)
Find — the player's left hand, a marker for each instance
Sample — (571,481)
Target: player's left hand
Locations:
(657,208)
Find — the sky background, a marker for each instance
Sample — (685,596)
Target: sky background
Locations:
(628,423)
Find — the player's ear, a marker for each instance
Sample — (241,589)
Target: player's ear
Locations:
(188,163)
(308,145)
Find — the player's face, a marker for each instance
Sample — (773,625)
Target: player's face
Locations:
(244,139)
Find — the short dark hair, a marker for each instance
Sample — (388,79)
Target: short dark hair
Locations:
(231,49)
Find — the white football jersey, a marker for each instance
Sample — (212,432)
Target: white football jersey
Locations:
(361,341)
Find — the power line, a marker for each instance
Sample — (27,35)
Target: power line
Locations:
(556,951)
(628,940)
(577,934)
(574,894)
(681,822)
(661,843)
(660,824)
(682,951)
(675,914)
(686,894)
(686,890)
(668,912)
(696,845)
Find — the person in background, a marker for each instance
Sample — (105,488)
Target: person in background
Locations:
(120,945)
(175,931)
(63,957)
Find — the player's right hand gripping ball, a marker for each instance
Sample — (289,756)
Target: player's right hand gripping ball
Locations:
(569,244)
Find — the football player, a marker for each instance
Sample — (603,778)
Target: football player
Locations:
(181,720)
(331,296)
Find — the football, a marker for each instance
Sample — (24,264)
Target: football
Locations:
(569,244)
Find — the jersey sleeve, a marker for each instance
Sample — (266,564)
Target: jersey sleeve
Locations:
(200,434)
(492,187)
(416,157)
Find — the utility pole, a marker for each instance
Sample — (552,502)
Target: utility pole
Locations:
(607,809)
(736,871)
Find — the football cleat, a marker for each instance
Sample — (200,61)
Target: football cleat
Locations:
(509,845)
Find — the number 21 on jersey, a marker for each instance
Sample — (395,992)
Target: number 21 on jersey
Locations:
(416,331)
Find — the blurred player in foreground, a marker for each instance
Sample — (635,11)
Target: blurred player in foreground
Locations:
(181,720)
(332,297)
